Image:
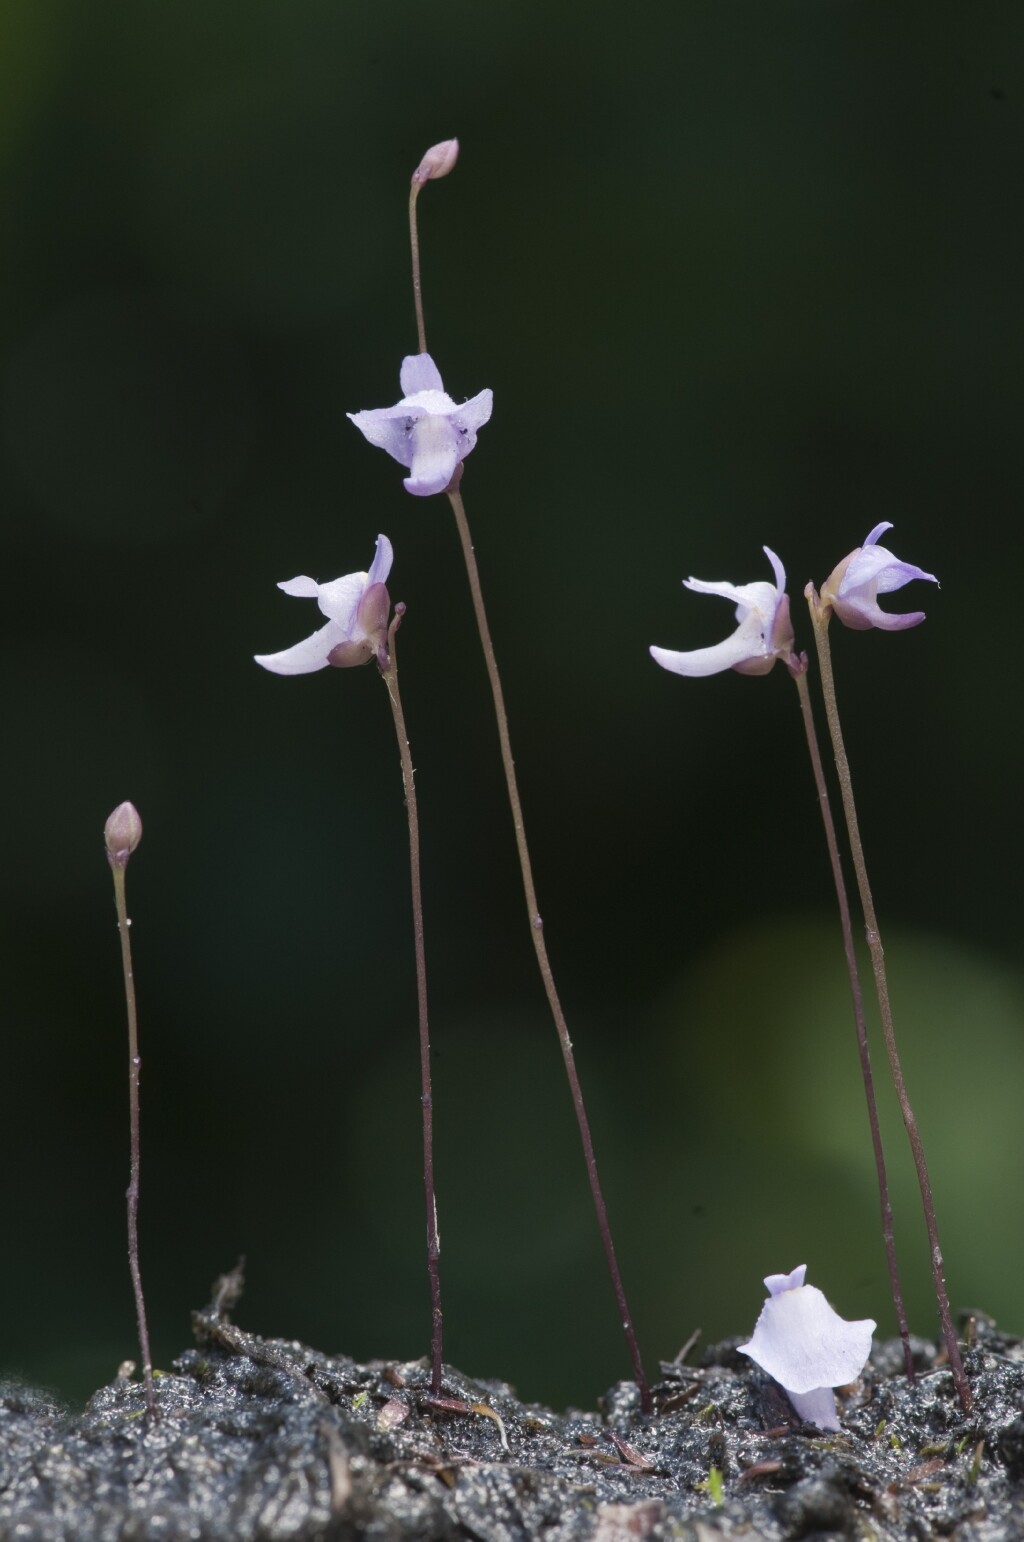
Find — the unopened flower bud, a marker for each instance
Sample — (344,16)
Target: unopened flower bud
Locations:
(438,162)
(122,833)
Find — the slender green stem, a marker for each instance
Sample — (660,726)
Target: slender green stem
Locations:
(799,676)
(390,678)
(134,1068)
(820,616)
(540,947)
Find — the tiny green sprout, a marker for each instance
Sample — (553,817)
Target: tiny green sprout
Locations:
(359,1399)
(934,1448)
(895,1442)
(714,1486)
(974,1471)
(880,1428)
(959,1447)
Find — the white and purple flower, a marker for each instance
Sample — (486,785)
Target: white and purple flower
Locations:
(358,607)
(807,1347)
(852,588)
(426,430)
(764,632)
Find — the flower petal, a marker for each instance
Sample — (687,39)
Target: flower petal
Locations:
(777,1283)
(880,529)
(472,415)
(340,599)
(388,428)
(861,612)
(435,454)
(380,567)
(804,1344)
(880,568)
(305,588)
(817,1407)
(761,597)
(306,656)
(747,646)
(419,373)
(777,569)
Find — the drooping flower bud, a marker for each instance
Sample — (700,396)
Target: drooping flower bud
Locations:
(438,161)
(122,833)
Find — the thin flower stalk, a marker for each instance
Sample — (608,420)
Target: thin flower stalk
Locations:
(797,665)
(389,674)
(122,834)
(540,946)
(763,636)
(438,161)
(820,616)
(358,608)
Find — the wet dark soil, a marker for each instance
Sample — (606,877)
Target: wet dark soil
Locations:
(265,1439)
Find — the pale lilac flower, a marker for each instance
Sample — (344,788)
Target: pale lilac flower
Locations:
(852,588)
(358,607)
(426,430)
(764,633)
(807,1347)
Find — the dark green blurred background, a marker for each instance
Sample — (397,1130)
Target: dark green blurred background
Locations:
(738,272)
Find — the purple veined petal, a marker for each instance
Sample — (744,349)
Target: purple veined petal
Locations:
(304,588)
(880,570)
(306,656)
(340,600)
(387,428)
(419,373)
(900,573)
(435,454)
(380,567)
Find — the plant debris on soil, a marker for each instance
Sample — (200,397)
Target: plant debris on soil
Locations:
(266,1439)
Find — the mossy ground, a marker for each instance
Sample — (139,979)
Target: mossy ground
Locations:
(266,1439)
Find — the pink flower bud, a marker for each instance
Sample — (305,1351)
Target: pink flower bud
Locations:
(437,162)
(122,833)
